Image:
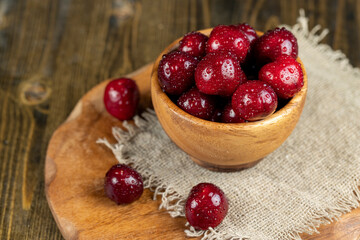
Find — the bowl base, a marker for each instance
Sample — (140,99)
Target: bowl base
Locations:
(224,168)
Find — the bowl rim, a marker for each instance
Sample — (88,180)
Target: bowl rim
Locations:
(286,110)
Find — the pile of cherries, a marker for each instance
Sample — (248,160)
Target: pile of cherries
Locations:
(233,75)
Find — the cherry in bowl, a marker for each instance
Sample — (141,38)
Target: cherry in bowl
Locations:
(224,146)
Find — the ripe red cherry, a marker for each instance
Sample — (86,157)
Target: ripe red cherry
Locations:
(194,43)
(230,116)
(254,100)
(284,75)
(176,72)
(123,184)
(121,98)
(219,73)
(206,206)
(228,38)
(197,104)
(221,28)
(249,32)
(275,43)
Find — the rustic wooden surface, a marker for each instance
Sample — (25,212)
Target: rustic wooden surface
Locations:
(74,173)
(52,52)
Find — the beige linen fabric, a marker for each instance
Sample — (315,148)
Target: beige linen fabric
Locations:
(311,179)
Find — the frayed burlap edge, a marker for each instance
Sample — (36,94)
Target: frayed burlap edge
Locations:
(170,199)
(174,203)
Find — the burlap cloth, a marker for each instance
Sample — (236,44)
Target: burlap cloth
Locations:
(311,179)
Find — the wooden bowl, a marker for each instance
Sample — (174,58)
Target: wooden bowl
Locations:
(224,146)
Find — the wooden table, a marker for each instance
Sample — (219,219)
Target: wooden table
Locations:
(52,52)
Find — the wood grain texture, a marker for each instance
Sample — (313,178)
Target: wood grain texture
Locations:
(53,51)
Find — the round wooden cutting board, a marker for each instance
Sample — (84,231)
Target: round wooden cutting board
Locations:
(74,171)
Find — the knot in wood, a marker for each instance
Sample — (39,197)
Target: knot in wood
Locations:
(34,92)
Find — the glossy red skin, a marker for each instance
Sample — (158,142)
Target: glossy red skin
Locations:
(121,98)
(249,32)
(176,72)
(284,75)
(123,184)
(249,61)
(197,104)
(228,38)
(254,100)
(275,43)
(194,43)
(230,116)
(206,206)
(219,73)
(222,28)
